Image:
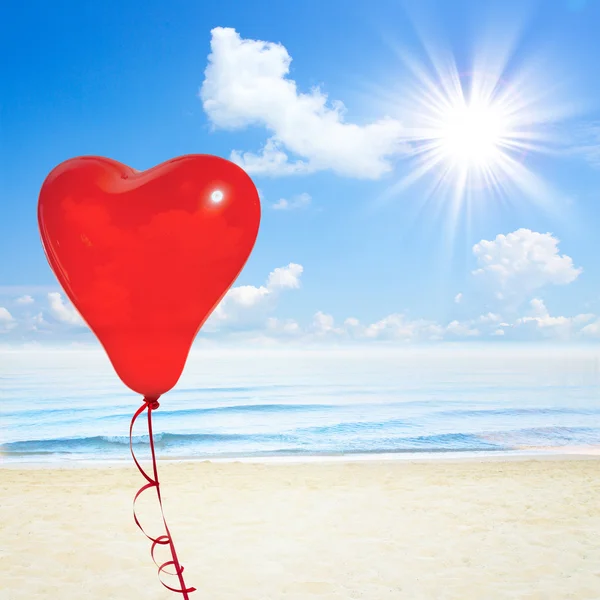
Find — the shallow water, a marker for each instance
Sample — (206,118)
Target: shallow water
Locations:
(64,405)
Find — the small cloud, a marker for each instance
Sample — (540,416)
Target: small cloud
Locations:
(5,316)
(271,161)
(461,329)
(38,323)
(65,313)
(324,324)
(7,321)
(24,300)
(489,318)
(285,277)
(287,327)
(592,330)
(249,305)
(458,298)
(299,201)
(247,295)
(397,327)
(540,321)
(521,262)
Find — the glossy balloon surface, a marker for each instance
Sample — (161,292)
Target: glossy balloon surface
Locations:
(145,257)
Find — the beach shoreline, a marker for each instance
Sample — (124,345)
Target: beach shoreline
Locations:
(521,454)
(420,529)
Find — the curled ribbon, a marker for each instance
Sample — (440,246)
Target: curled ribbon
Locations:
(163,540)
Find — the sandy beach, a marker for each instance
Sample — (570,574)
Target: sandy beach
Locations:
(461,529)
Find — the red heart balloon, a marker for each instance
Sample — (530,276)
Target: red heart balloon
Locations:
(146,256)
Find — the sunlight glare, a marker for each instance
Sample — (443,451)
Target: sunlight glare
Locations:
(468,134)
(472,135)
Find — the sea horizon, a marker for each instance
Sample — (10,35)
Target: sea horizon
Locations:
(68,405)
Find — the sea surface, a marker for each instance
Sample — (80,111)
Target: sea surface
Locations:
(69,405)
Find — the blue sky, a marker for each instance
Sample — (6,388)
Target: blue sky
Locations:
(345,252)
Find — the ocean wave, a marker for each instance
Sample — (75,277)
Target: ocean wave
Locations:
(187,412)
(342,437)
(235,389)
(541,436)
(254,408)
(228,442)
(506,412)
(357,427)
(107,442)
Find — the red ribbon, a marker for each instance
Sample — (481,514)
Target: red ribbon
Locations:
(152,404)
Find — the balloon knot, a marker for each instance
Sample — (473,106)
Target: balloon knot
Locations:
(151,403)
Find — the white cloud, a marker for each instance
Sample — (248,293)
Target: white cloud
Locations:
(398,327)
(458,298)
(592,330)
(272,161)
(521,262)
(324,324)
(288,327)
(247,295)
(393,328)
(26,299)
(38,323)
(246,83)
(65,313)
(461,329)
(489,318)
(538,308)
(5,316)
(299,201)
(249,305)
(516,263)
(285,277)
(7,321)
(540,321)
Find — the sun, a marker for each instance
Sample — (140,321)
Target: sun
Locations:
(473,135)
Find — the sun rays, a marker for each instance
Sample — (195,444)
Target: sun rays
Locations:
(473,135)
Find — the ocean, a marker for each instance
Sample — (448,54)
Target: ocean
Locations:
(67,405)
